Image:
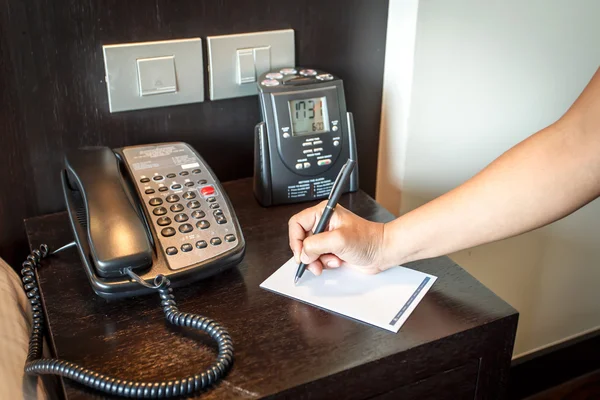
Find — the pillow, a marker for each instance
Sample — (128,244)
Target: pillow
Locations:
(15,328)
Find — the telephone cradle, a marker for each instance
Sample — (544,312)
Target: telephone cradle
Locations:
(144,218)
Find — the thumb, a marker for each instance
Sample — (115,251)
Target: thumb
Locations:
(322,243)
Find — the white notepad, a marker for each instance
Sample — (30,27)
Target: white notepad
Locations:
(385,300)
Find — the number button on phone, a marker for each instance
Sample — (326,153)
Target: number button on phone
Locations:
(186,247)
(149,191)
(196,171)
(159,211)
(177,207)
(198,214)
(176,186)
(158,178)
(211,199)
(171,175)
(229,238)
(218,213)
(145,180)
(201,244)
(185,228)
(169,231)
(204,224)
(193,204)
(214,206)
(181,217)
(172,198)
(155,201)
(202,182)
(171,251)
(189,195)
(221,220)
(163,221)
(215,241)
(184,173)
(163,189)
(189,184)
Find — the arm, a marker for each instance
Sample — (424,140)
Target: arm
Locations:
(542,179)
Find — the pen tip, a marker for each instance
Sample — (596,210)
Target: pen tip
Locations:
(295,280)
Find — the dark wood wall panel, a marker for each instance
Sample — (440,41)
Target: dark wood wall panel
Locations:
(53,94)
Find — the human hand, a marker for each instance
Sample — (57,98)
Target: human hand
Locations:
(349,240)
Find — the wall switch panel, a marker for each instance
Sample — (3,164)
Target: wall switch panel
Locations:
(154,74)
(236,61)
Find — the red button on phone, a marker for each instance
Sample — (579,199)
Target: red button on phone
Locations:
(207,191)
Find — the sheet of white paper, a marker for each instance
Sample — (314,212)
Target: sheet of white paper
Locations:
(385,300)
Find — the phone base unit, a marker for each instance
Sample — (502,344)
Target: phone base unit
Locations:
(157,209)
(305,137)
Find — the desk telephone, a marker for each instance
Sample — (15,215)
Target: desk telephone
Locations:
(143,216)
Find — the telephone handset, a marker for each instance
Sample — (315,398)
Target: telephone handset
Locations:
(153,209)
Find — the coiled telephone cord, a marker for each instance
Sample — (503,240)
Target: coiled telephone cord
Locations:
(35,365)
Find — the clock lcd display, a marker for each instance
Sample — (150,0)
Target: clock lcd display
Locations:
(309,116)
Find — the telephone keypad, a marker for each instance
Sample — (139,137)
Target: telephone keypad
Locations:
(181,217)
(163,221)
(159,211)
(176,208)
(168,232)
(186,233)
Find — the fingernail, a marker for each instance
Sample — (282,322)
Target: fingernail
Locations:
(304,258)
(296,258)
(332,264)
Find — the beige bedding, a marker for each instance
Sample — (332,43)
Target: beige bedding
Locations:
(15,325)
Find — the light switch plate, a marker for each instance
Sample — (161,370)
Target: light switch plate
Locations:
(126,80)
(271,50)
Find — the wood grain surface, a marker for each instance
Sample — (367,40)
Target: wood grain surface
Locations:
(460,336)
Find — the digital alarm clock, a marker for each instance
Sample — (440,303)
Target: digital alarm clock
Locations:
(304,138)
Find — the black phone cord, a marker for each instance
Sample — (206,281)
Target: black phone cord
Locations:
(36,365)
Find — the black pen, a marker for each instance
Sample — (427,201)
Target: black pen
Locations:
(334,196)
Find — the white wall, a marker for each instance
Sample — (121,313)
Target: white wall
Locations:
(464,81)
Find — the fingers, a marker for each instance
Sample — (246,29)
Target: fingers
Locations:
(331,242)
(300,224)
(330,261)
(315,267)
